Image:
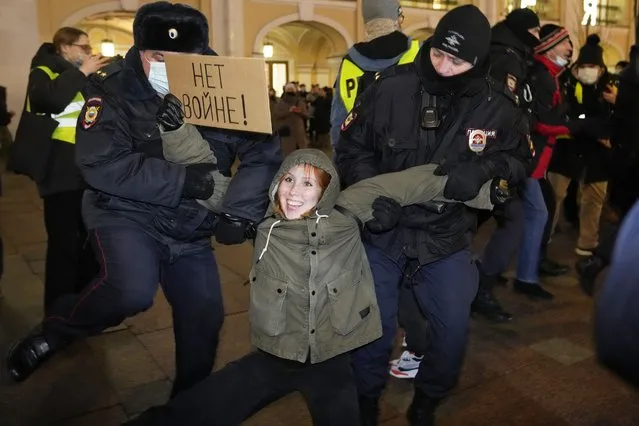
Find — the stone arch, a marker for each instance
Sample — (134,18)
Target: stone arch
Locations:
(107,6)
(259,38)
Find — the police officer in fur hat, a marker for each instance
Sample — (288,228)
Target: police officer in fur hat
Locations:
(145,223)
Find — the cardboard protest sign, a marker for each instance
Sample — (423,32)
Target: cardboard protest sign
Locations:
(225,92)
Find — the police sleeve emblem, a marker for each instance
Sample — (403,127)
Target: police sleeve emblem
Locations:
(92,111)
(350,118)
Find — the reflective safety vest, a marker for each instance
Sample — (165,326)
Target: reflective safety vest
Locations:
(351,73)
(68,118)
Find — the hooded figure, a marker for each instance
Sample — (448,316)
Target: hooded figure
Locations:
(289,115)
(313,298)
(385,45)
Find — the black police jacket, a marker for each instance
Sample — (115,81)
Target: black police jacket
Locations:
(510,60)
(382,135)
(119,152)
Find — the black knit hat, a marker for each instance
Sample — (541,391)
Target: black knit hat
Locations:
(170,27)
(463,32)
(519,21)
(550,35)
(591,52)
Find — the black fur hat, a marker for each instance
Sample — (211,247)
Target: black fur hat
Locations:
(170,27)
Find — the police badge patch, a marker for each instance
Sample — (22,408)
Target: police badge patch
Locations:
(92,111)
(477,140)
(511,82)
(350,118)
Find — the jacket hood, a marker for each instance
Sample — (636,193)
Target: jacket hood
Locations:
(380,53)
(47,56)
(316,158)
(503,36)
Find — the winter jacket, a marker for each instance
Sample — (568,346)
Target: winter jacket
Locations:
(119,151)
(311,285)
(291,125)
(383,134)
(358,69)
(53,96)
(583,157)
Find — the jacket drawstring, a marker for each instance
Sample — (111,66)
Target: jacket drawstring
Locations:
(319,216)
(268,238)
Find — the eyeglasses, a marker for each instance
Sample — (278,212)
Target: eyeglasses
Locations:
(85,47)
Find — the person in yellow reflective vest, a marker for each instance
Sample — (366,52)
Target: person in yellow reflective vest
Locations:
(59,71)
(385,45)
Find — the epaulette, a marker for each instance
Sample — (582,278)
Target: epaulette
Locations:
(499,87)
(111,69)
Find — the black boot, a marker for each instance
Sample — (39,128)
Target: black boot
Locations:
(532,290)
(25,356)
(551,269)
(422,410)
(588,269)
(486,304)
(368,411)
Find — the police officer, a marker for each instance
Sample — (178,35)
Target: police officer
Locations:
(440,109)
(144,221)
(45,151)
(385,46)
(511,54)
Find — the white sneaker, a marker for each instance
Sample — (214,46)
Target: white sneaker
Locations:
(406,366)
(405,347)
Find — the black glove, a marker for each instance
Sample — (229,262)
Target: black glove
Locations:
(464,179)
(233,230)
(170,115)
(386,214)
(198,182)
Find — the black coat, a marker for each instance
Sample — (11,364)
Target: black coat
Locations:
(52,97)
(5,117)
(583,157)
(119,152)
(383,135)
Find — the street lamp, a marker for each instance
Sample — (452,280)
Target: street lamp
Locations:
(267,50)
(107,48)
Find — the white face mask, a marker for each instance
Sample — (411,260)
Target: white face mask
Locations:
(588,75)
(158,78)
(562,62)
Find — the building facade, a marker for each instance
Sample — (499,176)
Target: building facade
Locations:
(301,40)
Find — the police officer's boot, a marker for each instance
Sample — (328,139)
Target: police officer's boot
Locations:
(422,410)
(25,356)
(588,269)
(486,304)
(368,411)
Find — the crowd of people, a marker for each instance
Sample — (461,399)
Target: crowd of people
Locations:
(361,206)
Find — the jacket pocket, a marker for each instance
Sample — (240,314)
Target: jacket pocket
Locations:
(267,312)
(349,303)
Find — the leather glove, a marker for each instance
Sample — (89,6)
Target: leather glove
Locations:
(386,215)
(198,182)
(233,230)
(464,179)
(170,115)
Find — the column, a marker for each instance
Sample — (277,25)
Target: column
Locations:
(18,23)
(218,23)
(234,25)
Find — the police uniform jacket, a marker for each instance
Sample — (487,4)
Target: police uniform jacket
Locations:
(383,134)
(51,97)
(119,151)
(510,60)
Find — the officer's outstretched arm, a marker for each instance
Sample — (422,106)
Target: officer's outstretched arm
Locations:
(105,156)
(260,158)
(355,150)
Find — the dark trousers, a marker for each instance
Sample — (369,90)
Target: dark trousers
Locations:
(70,263)
(444,291)
(133,265)
(505,239)
(551,205)
(243,387)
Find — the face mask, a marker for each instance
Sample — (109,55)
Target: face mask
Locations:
(588,75)
(562,62)
(79,61)
(158,78)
